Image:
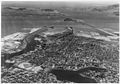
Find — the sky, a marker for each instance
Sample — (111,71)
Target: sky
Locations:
(101,1)
(84,1)
(63,2)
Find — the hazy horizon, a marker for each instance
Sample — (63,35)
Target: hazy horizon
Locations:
(54,3)
(12,24)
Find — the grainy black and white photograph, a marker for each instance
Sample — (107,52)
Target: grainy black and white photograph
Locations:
(60,41)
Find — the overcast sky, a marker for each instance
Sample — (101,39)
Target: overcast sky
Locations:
(111,1)
(73,3)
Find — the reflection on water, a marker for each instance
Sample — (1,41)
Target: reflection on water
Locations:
(13,24)
(73,76)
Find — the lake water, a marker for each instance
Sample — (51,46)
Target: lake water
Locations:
(16,24)
(72,76)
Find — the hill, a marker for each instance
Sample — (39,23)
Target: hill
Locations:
(66,50)
(52,43)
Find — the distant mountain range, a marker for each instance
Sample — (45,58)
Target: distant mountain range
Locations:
(27,11)
(17,17)
(111,9)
